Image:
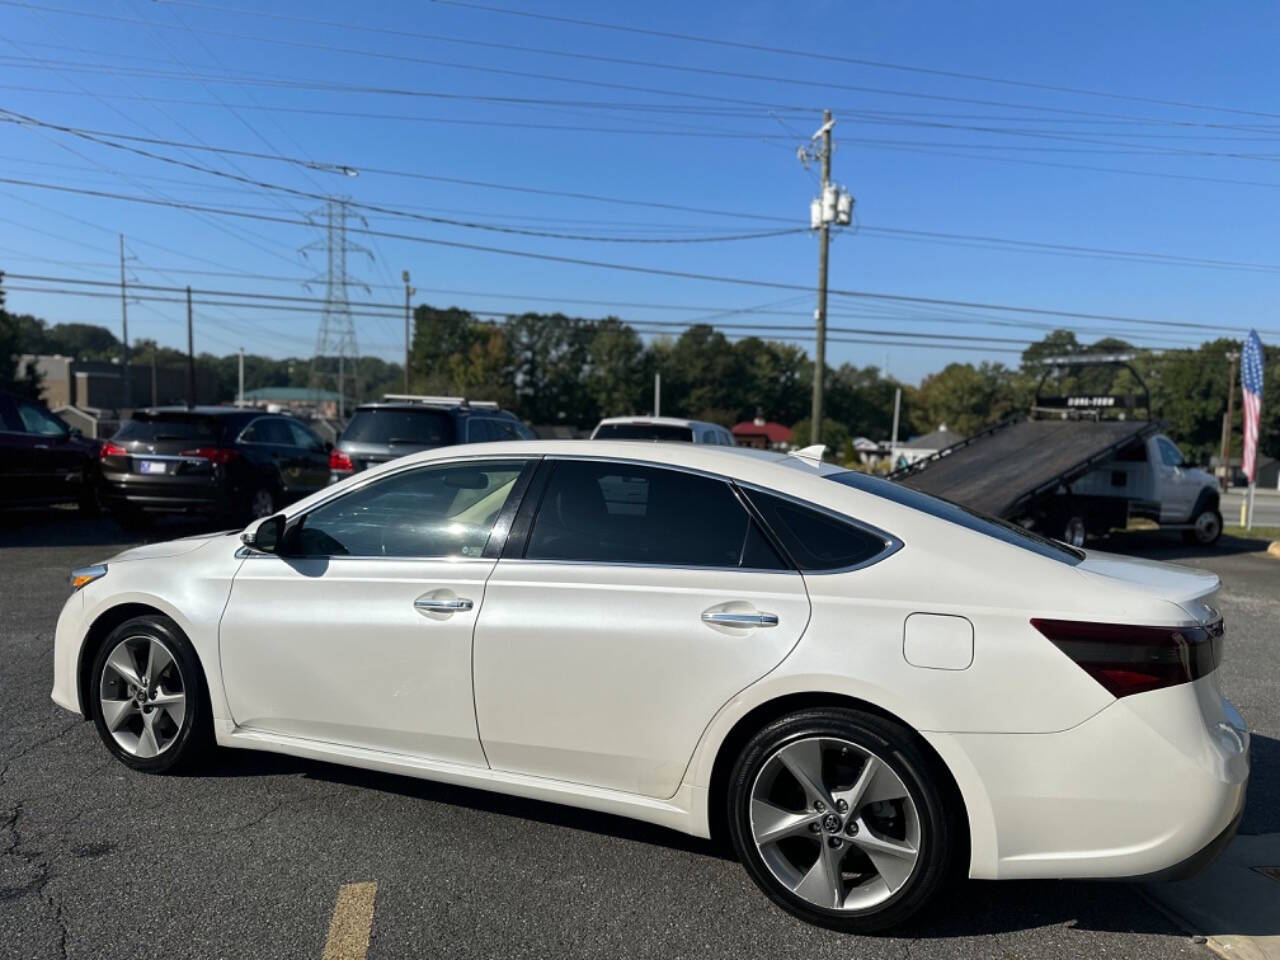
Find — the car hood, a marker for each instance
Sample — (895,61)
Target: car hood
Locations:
(1186,586)
(169,548)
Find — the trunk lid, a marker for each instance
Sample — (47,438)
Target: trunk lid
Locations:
(1189,588)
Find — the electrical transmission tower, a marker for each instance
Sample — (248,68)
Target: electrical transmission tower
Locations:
(336,337)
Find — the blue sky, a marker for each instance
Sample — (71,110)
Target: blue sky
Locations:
(920,151)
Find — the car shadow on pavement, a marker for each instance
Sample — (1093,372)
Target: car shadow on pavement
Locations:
(66,527)
(968,908)
(1168,545)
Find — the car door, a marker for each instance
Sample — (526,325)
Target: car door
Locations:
(17,455)
(359,633)
(56,462)
(1176,490)
(312,457)
(631,603)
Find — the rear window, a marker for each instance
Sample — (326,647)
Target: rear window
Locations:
(643,431)
(994,527)
(169,426)
(431,428)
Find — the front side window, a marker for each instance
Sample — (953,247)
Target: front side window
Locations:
(442,511)
(304,438)
(479,431)
(1170,455)
(268,430)
(816,541)
(39,421)
(601,512)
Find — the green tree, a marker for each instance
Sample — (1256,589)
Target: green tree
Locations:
(615,376)
(835,435)
(963,397)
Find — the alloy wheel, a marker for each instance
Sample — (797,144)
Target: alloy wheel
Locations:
(1074,532)
(262,504)
(142,696)
(834,823)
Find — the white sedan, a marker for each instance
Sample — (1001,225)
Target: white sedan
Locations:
(865,688)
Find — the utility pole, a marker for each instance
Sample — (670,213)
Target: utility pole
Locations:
(240,392)
(833,206)
(657,394)
(191,356)
(153,373)
(408,292)
(1224,460)
(897,408)
(124,334)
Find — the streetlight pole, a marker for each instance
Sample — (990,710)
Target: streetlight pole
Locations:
(408,292)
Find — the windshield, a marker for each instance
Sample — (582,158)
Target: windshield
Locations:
(642,431)
(168,426)
(425,428)
(1001,530)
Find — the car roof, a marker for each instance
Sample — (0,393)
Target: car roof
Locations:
(436,407)
(205,411)
(658,421)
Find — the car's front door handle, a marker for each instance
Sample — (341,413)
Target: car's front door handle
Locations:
(723,618)
(439,605)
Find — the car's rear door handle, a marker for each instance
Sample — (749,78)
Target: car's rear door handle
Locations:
(724,618)
(441,605)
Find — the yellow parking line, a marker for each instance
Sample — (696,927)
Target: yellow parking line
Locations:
(352,919)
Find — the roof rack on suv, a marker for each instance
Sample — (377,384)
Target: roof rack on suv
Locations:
(447,401)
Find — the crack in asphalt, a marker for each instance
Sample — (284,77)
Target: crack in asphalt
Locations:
(37,744)
(44,875)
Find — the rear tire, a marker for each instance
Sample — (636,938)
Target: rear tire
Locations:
(90,502)
(131,518)
(875,851)
(148,696)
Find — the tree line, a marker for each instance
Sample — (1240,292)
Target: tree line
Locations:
(552,369)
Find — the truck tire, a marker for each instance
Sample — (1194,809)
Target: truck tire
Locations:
(1206,528)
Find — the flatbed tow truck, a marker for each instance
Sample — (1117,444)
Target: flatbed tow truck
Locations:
(1075,466)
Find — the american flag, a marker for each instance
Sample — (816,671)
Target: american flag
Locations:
(1251,380)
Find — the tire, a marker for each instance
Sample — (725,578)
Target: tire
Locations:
(90,502)
(910,811)
(262,498)
(175,716)
(1206,529)
(1075,531)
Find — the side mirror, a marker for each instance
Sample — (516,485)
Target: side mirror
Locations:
(265,535)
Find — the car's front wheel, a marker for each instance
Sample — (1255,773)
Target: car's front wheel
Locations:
(148,696)
(839,816)
(1206,528)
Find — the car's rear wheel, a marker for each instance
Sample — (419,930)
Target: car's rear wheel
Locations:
(148,696)
(840,817)
(131,518)
(262,503)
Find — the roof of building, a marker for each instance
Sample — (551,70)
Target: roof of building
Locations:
(935,440)
(774,432)
(287,394)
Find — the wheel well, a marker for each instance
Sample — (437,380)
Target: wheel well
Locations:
(765,713)
(99,630)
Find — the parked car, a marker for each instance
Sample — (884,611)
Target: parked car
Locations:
(42,460)
(662,428)
(219,461)
(863,686)
(405,423)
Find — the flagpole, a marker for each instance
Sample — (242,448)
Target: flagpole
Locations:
(1248,518)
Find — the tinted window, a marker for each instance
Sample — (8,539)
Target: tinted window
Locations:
(479,431)
(816,540)
(1169,454)
(643,431)
(955,513)
(617,513)
(168,426)
(304,438)
(445,511)
(37,420)
(430,428)
(268,430)
(507,430)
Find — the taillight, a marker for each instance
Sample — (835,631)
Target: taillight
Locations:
(110,449)
(340,461)
(1128,659)
(212,454)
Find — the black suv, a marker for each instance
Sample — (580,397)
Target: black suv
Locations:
(42,460)
(403,424)
(222,461)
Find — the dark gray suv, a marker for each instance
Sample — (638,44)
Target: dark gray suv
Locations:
(403,424)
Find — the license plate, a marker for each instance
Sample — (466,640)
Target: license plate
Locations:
(151,466)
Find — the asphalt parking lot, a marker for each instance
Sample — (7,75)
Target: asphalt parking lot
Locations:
(246,859)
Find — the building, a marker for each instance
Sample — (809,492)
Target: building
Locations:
(762,434)
(299,400)
(918,448)
(91,394)
(1268,472)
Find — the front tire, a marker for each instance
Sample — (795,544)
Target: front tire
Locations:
(1206,528)
(148,696)
(841,818)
